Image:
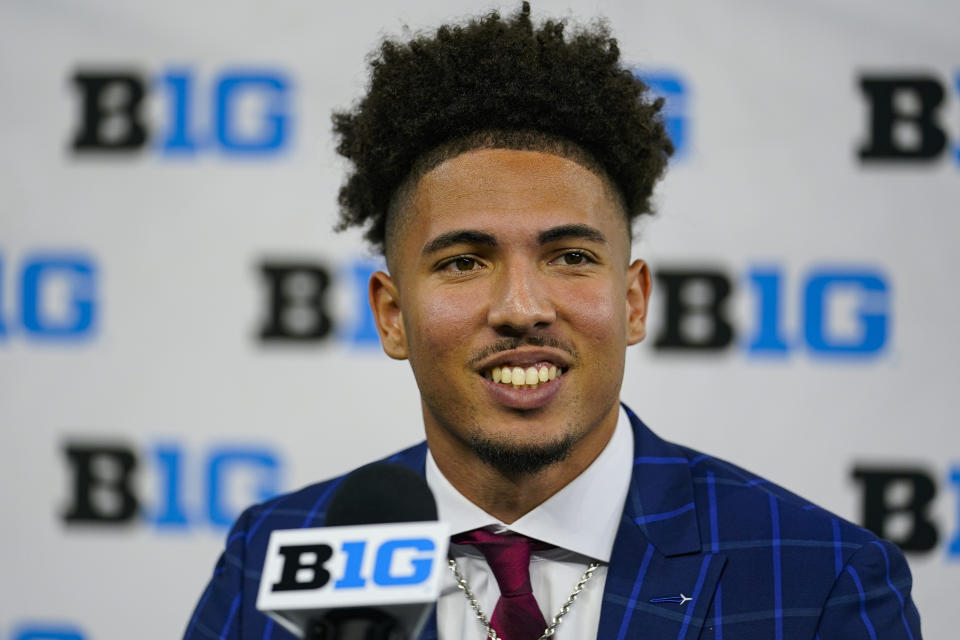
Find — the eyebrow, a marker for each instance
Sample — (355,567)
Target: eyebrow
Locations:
(462,236)
(567,231)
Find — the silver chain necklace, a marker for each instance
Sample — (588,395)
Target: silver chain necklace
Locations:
(551,628)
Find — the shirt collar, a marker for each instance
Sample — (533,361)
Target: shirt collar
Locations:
(582,517)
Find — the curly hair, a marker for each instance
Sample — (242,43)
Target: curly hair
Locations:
(495,83)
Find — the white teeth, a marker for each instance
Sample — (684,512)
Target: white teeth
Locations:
(522,378)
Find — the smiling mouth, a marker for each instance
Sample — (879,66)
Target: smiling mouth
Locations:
(523,377)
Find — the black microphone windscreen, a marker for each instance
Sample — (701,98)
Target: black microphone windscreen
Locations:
(381,493)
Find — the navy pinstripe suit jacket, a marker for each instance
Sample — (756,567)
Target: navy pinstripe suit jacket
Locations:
(758,562)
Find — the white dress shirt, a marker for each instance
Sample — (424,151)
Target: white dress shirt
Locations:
(581,520)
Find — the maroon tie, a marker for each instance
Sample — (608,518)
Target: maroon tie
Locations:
(517,615)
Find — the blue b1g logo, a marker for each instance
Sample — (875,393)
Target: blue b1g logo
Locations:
(383,574)
(49,295)
(870,316)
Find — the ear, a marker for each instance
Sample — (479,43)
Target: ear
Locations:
(638,296)
(385,302)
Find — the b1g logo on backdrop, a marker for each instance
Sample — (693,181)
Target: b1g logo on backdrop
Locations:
(310,302)
(164,485)
(48,296)
(841,311)
(674,89)
(240,111)
(905,118)
(895,504)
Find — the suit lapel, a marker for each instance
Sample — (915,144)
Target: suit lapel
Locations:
(659,583)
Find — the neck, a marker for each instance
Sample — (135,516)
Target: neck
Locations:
(507,497)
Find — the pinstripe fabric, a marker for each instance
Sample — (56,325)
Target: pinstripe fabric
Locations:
(756,561)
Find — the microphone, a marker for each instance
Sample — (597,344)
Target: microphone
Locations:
(380,493)
(372,573)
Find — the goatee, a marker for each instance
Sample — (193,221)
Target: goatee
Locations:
(512,459)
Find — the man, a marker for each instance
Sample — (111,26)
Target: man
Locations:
(499,167)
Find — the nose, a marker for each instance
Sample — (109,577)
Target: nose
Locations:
(520,301)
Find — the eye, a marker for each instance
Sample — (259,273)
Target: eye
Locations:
(461,264)
(573,258)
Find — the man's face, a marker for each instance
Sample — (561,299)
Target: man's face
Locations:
(513,264)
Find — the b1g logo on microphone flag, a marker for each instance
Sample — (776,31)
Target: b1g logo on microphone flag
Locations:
(384,564)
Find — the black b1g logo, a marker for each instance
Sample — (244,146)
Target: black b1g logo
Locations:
(303,565)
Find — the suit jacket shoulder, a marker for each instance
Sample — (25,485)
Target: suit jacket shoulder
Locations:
(804,559)
(708,549)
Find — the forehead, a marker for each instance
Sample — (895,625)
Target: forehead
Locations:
(507,192)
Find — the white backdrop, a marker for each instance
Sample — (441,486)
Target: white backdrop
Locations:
(132,292)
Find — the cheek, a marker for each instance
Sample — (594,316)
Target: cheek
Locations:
(598,313)
(442,321)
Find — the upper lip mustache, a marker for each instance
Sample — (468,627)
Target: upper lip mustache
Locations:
(525,358)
